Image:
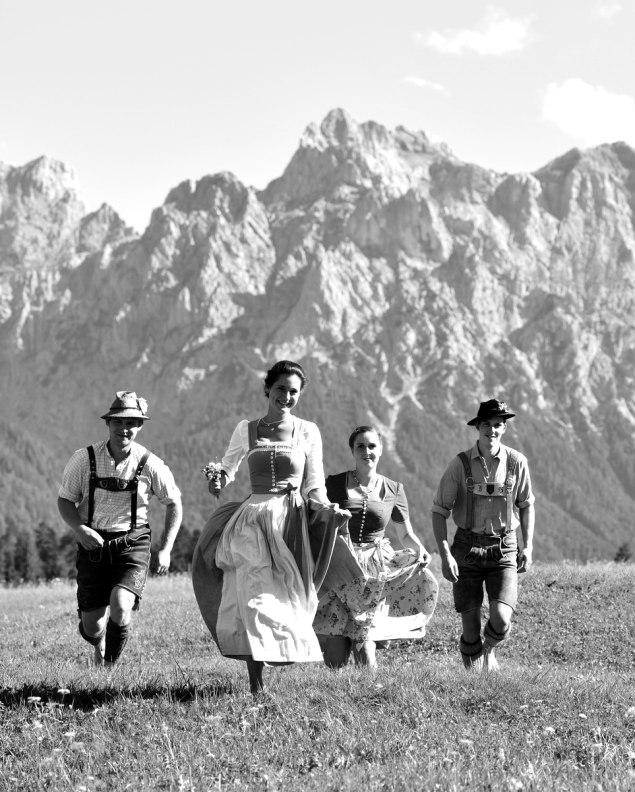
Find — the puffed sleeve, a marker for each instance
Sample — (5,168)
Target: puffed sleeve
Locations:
(400,509)
(236,450)
(314,478)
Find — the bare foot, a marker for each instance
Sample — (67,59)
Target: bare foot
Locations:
(490,663)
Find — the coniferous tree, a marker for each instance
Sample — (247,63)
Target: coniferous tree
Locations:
(48,548)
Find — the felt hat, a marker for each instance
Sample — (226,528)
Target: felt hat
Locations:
(128,405)
(491,409)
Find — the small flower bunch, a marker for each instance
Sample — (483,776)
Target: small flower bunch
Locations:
(212,471)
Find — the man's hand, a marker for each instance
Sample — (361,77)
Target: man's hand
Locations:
(161,563)
(525,559)
(88,538)
(449,567)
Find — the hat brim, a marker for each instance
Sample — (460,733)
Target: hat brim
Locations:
(126,414)
(505,415)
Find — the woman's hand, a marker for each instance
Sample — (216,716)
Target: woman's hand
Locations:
(424,556)
(216,483)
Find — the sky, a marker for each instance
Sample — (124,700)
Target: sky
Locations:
(137,96)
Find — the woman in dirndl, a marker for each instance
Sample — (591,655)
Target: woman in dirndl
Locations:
(253,571)
(373,592)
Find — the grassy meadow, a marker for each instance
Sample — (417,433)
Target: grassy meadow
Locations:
(175,715)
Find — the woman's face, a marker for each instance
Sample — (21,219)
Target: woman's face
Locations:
(284,394)
(367,451)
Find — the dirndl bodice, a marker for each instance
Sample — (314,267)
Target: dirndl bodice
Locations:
(274,467)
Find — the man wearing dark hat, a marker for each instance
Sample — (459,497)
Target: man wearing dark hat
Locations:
(487,489)
(104,498)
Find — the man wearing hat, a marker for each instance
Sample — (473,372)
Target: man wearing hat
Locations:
(104,498)
(487,490)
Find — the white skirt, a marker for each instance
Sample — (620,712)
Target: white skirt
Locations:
(266,610)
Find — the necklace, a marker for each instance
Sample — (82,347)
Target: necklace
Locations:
(365,490)
(272,423)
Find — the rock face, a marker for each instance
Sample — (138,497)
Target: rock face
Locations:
(411,285)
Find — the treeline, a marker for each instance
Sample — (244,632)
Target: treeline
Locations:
(36,555)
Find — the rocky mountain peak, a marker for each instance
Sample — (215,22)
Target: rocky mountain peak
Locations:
(410,284)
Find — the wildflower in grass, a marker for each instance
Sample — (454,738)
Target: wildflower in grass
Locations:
(63,692)
(629,715)
(549,730)
(34,700)
(70,734)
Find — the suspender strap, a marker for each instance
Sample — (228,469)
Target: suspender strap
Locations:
(133,492)
(512,464)
(91,485)
(469,483)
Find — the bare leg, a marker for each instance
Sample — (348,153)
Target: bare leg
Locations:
(495,632)
(365,654)
(254,669)
(92,628)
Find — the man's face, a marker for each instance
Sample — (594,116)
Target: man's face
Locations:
(490,432)
(123,432)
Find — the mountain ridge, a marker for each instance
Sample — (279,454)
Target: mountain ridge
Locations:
(410,284)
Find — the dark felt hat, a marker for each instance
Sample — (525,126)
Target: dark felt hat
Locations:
(491,409)
(128,405)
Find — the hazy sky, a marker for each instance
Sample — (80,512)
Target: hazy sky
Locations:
(139,95)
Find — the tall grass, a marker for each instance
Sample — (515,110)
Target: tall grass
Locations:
(175,715)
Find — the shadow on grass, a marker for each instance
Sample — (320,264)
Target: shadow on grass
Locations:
(90,698)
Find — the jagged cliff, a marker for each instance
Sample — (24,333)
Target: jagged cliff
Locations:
(410,284)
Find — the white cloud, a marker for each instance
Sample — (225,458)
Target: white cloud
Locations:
(590,113)
(607,9)
(420,82)
(497,34)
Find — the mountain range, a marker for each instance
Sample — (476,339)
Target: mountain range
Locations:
(410,285)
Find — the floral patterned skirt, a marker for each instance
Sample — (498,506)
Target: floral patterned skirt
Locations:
(394,598)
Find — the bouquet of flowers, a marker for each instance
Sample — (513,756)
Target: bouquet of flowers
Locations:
(212,472)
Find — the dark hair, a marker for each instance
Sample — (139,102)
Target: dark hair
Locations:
(284,368)
(360,430)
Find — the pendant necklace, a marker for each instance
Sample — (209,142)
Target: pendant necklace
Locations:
(272,423)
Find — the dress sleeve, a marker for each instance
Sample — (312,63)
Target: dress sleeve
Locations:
(314,478)
(236,450)
(400,509)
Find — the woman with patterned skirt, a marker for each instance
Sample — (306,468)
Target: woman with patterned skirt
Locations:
(253,571)
(372,592)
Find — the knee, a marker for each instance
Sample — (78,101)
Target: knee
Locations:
(500,617)
(93,623)
(121,606)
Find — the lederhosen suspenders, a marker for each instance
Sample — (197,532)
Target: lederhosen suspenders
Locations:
(512,464)
(112,484)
